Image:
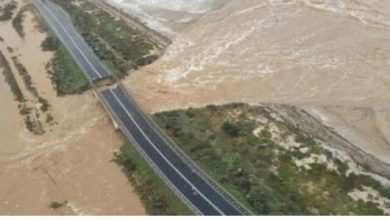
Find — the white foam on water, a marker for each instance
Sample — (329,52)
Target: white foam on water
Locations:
(146,10)
(374,12)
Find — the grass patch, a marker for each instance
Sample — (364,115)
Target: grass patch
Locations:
(66,76)
(157,198)
(10,79)
(33,126)
(119,46)
(258,171)
(25,76)
(7,11)
(29,84)
(65,73)
(17,22)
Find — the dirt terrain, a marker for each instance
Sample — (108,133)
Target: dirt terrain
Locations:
(72,160)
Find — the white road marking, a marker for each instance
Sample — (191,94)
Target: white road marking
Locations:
(147,137)
(75,44)
(162,155)
(166,142)
(145,154)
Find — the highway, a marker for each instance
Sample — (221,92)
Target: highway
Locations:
(182,176)
(61,25)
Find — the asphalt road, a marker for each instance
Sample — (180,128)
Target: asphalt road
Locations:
(62,26)
(192,186)
(172,166)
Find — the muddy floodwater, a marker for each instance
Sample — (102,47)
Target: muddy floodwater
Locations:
(330,57)
(71,163)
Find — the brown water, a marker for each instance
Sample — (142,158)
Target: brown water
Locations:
(332,56)
(72,161)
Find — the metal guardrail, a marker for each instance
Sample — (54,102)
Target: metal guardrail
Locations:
(148,160)
(217,187)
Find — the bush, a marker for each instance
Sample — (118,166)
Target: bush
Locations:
(7,12)
(17,22)
(120,46)
(230,129)
(259,172)
(266,134)
(66,75)
(157,198)
(50,44)
(56,205)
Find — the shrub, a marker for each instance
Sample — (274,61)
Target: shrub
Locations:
(230,129)
(56,205)
(7,12)
(50,44)
(17,22)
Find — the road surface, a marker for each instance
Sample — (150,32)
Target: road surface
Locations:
(181,175)
(62,26)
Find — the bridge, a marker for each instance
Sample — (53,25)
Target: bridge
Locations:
(181,174)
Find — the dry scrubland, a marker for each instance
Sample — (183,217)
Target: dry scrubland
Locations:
(272,164)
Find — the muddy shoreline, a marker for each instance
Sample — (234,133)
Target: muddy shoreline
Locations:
(308,123)
(162,41)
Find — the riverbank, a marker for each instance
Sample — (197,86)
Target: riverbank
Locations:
(326,69)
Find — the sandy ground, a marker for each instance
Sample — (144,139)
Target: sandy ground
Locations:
(72,160)
(330,56)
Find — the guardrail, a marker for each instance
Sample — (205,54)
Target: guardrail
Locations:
(148,160)
(216,186)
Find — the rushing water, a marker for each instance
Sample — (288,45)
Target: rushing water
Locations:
(330,53)
(169,16)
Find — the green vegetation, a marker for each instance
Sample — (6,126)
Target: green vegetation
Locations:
(65,74)
(230,129)
(29,84)
(57,205)
(32,125)
(17,23)
(261,172)
(10,79)
(68,77)
(7,11)
(50,44)
(25,76)
(157,198)
(119,46)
